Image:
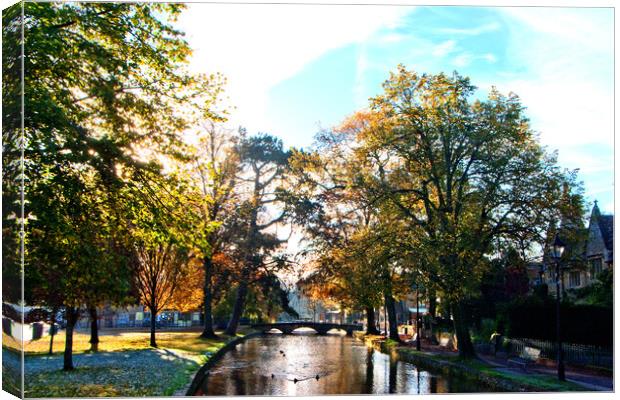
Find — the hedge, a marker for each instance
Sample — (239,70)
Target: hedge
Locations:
(582,324)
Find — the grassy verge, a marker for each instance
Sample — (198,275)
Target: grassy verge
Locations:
(124,366)
(534,382)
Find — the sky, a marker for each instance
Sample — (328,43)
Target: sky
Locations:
(294,69)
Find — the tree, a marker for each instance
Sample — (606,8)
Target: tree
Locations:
(188,296)
(263,167)
(349,232)
(77,258)
(214,178)
(12,167)
(160,269)
(103,81)
(462,174)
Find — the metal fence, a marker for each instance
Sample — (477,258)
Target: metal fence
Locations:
(576,354)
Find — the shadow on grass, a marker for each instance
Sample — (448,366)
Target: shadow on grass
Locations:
(150,372)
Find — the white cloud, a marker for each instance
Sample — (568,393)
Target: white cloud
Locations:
(444,48)
(570,24)
(489,57)
(567,84)
(258,46)
(560,62)
(587,162)
(465,59)
(566,113)
(392,38)
(491,27)
(462,60)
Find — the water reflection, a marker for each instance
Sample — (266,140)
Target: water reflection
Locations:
(289,366)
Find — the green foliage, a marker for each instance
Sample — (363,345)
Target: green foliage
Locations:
(599,293)
(454,172)
(487,328)
(223,308)
(102,81)
(12,176)
(425,187)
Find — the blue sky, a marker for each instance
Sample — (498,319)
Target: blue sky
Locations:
(293,69)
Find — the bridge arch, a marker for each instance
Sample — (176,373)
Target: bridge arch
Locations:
(322,328)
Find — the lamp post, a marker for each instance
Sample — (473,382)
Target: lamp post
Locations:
(557,250)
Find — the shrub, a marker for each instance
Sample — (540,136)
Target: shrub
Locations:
(535,318)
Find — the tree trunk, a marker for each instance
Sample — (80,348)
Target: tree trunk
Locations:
(51,339)
(153,321)
(371,327)
(465,346)
(432,303)
(52,326)
(432,310)
(390,305)
(242,290)
(208,331)
(94,330)
(71,315)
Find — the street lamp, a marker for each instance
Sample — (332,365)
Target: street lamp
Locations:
(557,248)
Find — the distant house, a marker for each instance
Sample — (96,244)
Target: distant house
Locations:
(600,245)
(308,309)
(589,257)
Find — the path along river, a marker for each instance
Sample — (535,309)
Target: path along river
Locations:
(288,365)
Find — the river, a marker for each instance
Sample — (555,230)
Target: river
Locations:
(288,365)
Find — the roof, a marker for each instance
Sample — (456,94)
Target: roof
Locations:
(606,224)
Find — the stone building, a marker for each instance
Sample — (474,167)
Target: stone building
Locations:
(599,252)
(592,255)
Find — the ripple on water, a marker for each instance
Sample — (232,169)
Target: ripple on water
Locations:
(278,364)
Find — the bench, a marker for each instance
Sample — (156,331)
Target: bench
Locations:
(528,356)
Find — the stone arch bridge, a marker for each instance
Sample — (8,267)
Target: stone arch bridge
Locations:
(320,327)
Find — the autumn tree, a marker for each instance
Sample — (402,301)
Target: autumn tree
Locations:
(347,229)
(188,295)
(463,172)
(160,268)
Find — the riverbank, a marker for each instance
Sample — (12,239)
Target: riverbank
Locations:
(125,365)
(497,377)
(199,376)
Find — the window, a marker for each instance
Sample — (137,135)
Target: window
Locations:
(596,266)
(574,279)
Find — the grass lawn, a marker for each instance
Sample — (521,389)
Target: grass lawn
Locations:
(124,366)
(115,340)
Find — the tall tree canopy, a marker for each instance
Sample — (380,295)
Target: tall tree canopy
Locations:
(464,173)
(106,95)
(263,171)
(444,182)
